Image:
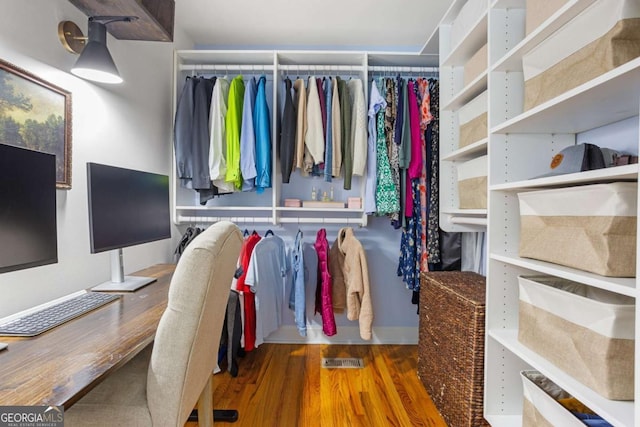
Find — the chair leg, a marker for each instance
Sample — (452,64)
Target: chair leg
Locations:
(205,406)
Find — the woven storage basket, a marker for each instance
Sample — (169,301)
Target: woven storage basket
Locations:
(451,344)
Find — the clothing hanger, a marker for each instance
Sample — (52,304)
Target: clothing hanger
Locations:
(269,232)
(246,233)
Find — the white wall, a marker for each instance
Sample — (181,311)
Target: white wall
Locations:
(128,125)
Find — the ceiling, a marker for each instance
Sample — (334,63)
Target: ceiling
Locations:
(387,25)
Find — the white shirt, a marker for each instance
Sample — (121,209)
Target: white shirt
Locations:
(358,126)
(218,148)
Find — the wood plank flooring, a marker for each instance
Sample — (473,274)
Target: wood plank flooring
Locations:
(285,385)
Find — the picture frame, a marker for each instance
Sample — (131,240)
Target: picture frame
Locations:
(36,114)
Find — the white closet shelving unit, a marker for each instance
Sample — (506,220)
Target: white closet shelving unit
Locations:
(454,54)
(520,146)
(268,207)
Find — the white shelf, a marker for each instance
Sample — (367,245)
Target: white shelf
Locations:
(616,412)
(469,45)
(463,212)
(618,173)
(509,4)
(224,208)
(504,420)
(471,151)
(619,285)
(342,210)
(512,61)
(473,89)
(609,98)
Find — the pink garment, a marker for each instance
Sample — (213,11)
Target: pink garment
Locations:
(415,166)
(324,303)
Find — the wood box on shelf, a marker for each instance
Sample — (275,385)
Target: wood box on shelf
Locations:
(451,344)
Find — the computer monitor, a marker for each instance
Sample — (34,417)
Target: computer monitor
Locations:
(28,233)
(126,207)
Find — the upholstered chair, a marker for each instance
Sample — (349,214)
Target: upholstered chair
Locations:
(162,384)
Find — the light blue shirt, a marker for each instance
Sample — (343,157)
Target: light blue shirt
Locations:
(297,299)
(263,138)
(376,103)
(266,274)
(248,137)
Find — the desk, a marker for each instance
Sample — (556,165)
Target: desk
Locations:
(62,365)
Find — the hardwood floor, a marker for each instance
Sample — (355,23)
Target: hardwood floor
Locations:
(285,385)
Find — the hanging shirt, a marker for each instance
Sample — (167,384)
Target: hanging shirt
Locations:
(358,126)
(262,127)
(202,103)
(248,137)
(404,155)
(301,126)
(183,130)
(376,103)
(336,130)
(266,273)
(328,132)
(218,151)
(248,295)
(287,134)
(314,138)
(234,124)
(297,298)
(347,141)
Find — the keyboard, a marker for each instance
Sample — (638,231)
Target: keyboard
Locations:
(35,323)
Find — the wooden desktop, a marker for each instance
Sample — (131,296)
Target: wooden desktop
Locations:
(62,365)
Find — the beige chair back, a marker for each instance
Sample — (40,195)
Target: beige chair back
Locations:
(186,343)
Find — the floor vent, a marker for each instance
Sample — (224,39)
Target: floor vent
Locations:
(342,362)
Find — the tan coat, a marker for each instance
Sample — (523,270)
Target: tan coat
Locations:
(350,265)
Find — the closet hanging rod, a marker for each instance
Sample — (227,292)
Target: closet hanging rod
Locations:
(183,219)
(403,69)
(224,67)
(307,67)
(298,220)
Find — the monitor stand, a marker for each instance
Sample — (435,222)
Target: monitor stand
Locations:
(119,282)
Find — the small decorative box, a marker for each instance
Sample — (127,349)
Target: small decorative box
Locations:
(354,203)
(292,203)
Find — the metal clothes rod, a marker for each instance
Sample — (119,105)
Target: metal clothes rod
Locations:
(303,67)
(210,219)
(404,69)
(297,220)
(224,67)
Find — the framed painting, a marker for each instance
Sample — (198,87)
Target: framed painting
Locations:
(37,115)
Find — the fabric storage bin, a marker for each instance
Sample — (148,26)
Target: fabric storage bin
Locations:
(472,118)
(540,407)
(472,183)
(465,20)
(539,11)
(590,227)
(451,344)
(475,65)
(601,38)
(585,331)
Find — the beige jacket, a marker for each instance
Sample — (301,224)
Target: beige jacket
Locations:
(355,274)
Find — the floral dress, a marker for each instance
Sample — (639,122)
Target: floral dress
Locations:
(387,196)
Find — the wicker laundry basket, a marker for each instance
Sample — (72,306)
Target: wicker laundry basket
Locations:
(451,344)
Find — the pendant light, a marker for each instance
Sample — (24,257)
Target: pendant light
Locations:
(95,62)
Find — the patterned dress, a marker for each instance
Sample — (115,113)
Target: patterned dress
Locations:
(392,148)
(410,247)
(387,196)
(425,119)
(433,223)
